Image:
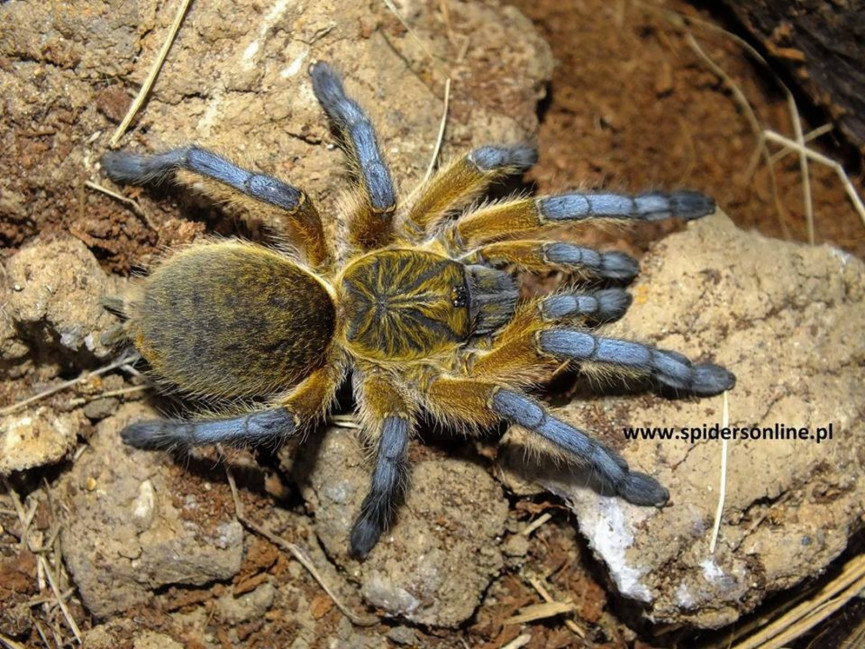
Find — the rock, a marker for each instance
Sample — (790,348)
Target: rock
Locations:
(348,636)
(154,640)
(18,585)
(116,633)
(127,531)
(517,546)
(435,564)
(787,319)
(249,606)
(54,300)
(402,635)
(254,102)
(36,437)
(12,348)
(100,408)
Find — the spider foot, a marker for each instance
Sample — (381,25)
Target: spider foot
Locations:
(641,489)
(365,533)
(151,435)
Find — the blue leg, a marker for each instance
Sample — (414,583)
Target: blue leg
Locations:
(609,466)
(543,256)
(607,265)
(248,430)
(372,227)
(667,367)
(684,205)
(138,169)
(594,308)
(386,490)
(500,160)
(506,219)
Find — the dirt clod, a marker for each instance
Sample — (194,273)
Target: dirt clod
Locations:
(435,563)
(54,302)
(127,534)
(792,332)
(36,437)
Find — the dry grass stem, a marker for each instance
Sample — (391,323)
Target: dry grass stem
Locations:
(10,643)
(41,633)
(121,392)
(446,19)
(544,593)
(856,637)
(777,138)
(682,22)
(392,8)
(111,393)
(760,150)
(38,601)
(296,552)
(23,518)
(789,626)
(59,599)
(441,134)
(84,376)
(540,612)
(345,421)
(123,199)
(809,137)
(797,145)
(518,642)
(803,167)
(722,489)
(535,524)
(44,569)
(151,77)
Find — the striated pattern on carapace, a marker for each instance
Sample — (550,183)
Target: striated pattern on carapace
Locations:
(404,305)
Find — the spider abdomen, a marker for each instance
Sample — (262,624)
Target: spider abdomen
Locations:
(231,320)
(404,305)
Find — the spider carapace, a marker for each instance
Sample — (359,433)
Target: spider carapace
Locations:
(417,300)
(411,305)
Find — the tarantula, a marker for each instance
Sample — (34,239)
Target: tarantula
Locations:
(418,300)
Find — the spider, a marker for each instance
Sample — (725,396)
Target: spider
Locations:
(417,300)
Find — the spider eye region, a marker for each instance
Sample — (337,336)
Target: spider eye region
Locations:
(403,305)
(460,295)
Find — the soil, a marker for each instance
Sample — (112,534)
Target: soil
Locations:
(633,106)
(630,106)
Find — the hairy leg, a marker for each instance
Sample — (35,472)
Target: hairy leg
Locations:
(139,169)
(541,337)
(668,368)
(388,424)
(303,405)
(247,430)
(514,217)
(370,224)
(485,403)
(542,256)
(463,180)
(592,308)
